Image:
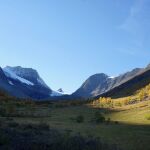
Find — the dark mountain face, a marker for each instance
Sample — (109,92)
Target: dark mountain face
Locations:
(92,85)
(23,83)
(7,85)
(2,75)
(129,87)
(147,67)
(124,77)
(101,83)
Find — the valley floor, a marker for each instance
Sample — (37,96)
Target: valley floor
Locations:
(128,127)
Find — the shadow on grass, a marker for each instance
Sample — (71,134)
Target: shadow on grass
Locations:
(41,137)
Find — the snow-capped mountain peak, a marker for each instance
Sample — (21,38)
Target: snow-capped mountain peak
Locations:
(9,73)
(24,83)
(28,74)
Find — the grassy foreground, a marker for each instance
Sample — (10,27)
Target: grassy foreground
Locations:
(128,126)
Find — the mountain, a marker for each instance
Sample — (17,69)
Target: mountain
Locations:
(130,87)
(23,83)
(30,75)
(101,83)
(58,93)
(60,90)
(6,85)
(94,84)
(27,83)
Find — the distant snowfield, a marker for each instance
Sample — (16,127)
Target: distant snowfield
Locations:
(10,83)
(56,93)
(111,77)
(11,74)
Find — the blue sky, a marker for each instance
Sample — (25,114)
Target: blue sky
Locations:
(69,40)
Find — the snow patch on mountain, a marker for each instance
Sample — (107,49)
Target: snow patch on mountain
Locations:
(59,92)
(28,74)
(11,74)
(10,83)
(111,77)
(55,93)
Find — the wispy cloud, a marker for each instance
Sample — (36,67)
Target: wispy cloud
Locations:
(137,25)
(138,19)
(129,51)
(133,20)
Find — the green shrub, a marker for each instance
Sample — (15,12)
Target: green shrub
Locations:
(13,124)
(116,122)
(147,116)
(11,110)
(108,120)
(2,112)
(41,126)
(4,140)
(80,119)
(99,118)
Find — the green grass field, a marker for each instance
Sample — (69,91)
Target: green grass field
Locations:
(132,132)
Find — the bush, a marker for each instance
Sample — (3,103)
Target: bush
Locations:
(41,126)
(116,122)
(147,116)
(2,112)
(11,109)
(4,140)
(108,121)
(99,118)
(119,104)
(80,119)
(13,124)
